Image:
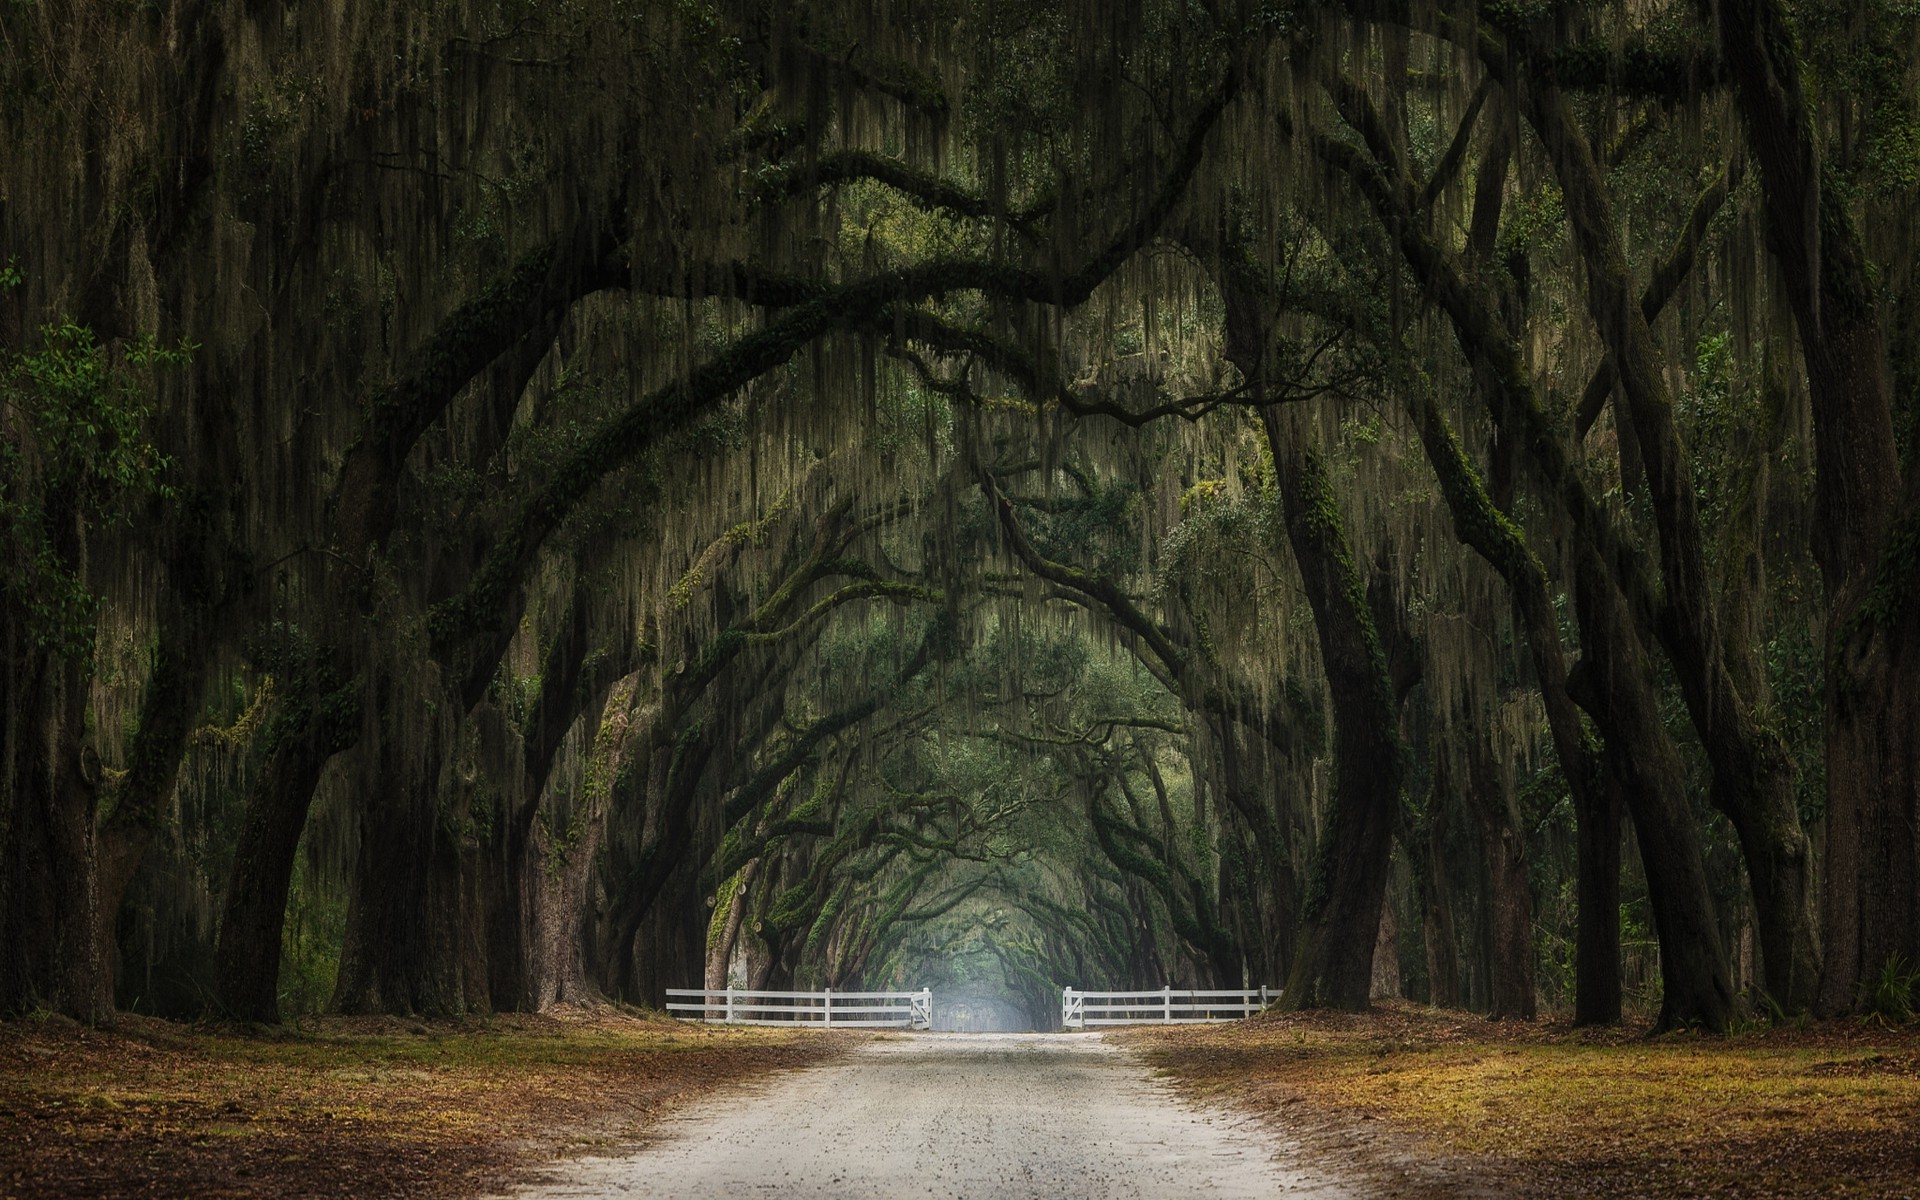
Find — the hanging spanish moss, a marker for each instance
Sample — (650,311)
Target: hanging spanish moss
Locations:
(514,507)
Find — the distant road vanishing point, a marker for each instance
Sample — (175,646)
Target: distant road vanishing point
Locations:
(953,1115)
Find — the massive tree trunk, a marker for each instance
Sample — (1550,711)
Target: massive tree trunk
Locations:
(656,865)
(1346,884)
(554,888)
(247,956)
(540,874)
(1752,772)
(1250,783)
(1615,685)
(1868,522)
(1488,790)
(1504,383)
(1428,854)
(167,707)
(50,777)
(315,715)
(384,964)
(720,948)
(1386,956)
(1341,915)
(1598,812)
(553,850)
(410,916)
(670,949)
(49,945)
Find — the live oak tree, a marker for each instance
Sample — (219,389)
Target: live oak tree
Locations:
(521,504)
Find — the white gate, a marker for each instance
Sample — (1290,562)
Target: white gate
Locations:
(827,1008)
(1080,1009)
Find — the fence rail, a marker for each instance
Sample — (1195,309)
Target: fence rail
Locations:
(826,1008)
(1166,1006)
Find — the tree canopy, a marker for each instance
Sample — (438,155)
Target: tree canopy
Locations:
(515,503)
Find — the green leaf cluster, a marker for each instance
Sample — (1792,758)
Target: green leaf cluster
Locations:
(77,454)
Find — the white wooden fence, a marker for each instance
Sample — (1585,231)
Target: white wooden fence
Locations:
(1080,1009)
(827,1009)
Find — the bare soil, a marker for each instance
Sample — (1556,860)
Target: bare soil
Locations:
(350,1107)
(1405,1101)
(1422,1101)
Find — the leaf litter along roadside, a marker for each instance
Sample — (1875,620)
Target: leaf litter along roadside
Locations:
(350,1106)
(1422,1100)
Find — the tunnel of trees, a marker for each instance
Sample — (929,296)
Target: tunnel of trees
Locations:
(505,504)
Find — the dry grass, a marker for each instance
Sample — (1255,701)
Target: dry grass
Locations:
(348,1107)
(1833,1109)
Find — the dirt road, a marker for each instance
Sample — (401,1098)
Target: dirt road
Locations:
(954,1115)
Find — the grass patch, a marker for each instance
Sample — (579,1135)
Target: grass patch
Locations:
(1832,1109)
(348,1106)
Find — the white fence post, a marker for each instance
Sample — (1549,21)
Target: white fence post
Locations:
(747,1006)
(1082,1009)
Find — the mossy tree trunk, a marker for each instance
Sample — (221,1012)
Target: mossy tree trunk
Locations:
(1614,683)
(1333,967)
(1427,854)
(1752,772)
(1488,789)
(49,945)
(1868,546)
(50,948)
(1492,350)
(315,722)
(402,952)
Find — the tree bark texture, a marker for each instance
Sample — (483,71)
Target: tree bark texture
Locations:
(1439,939)
(413,912)
(1615,685)
(1868,547)
(1333,967)
(1752,772)
(720,948)
(1505,384)
(1489,794)
(49,946)
(1385,984)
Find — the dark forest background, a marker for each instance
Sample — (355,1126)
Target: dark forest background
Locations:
(505,504)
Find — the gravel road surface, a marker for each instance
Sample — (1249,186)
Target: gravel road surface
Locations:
(954,1115)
